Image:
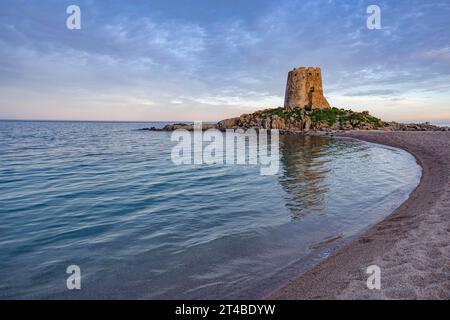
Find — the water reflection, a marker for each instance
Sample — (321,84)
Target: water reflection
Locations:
(303,160)
(156,230)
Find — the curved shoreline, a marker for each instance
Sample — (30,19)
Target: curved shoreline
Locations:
(411,245)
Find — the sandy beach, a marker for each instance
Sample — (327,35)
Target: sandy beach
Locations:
(411,246)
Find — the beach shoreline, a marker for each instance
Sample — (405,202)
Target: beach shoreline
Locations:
(411,245)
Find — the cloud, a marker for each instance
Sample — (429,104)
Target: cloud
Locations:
(439,54)
(143,36)
(374,92)
(144,57)
(252,99)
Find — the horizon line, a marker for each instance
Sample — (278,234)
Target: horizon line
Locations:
(78,120)
(446,122)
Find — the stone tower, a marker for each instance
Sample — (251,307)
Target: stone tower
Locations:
(304,88)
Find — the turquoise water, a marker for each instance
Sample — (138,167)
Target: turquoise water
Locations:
(106,197)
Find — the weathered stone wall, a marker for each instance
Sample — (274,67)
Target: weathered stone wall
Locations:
(304,88)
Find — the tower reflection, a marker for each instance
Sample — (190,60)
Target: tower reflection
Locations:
(303,161)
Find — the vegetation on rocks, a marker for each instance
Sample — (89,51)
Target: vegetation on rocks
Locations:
(304,119)
(343,117)
(291,120)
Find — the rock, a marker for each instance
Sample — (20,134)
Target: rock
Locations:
(243,118)
(228,123)
(278,123)
(185,126)
(307,124)
(346,126)
(336,125)
(152,129)
(394,126)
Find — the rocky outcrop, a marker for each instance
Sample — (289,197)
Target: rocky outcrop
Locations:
(303,120)
(395,126)
(176,126)
(228,123)
(331,119)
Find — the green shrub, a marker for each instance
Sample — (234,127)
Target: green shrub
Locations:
(331,115)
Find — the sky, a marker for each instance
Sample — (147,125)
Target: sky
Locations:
(209,60)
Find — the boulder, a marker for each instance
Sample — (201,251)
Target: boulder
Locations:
(228,123)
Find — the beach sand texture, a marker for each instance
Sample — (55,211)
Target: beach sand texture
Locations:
(411,246)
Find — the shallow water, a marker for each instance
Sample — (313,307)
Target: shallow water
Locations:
(106,197)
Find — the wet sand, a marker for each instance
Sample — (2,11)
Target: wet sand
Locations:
(411,246)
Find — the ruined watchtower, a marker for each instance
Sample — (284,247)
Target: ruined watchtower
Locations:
(304,88)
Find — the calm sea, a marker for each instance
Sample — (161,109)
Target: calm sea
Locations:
(106,197)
